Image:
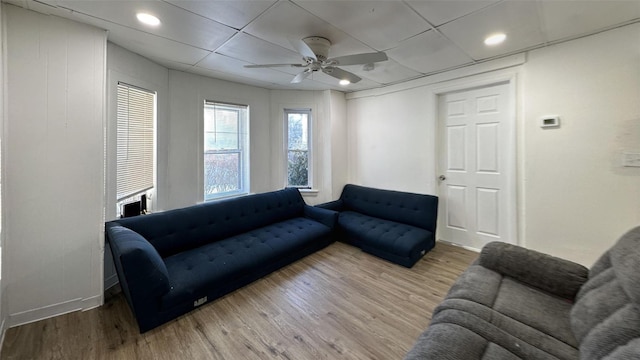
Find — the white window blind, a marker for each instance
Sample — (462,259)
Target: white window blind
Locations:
(135,143)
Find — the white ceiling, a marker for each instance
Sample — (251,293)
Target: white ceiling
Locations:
(421,37)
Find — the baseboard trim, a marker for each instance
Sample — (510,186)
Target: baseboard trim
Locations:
(3,332)
(45,312)
(92,302)
(460,246)
(110,282)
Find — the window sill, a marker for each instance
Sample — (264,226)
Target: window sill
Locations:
(228,196)
(308,192)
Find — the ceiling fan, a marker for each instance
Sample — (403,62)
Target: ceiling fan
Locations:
(315,52)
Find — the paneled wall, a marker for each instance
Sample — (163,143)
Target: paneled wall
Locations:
(54,165)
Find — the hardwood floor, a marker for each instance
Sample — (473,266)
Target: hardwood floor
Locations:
(339,303)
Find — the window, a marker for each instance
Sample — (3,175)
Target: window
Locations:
(136,115)
(226,158)
(298,130)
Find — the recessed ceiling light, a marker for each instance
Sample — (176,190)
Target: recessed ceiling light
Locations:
(148,19)
(495,39)
(345,82)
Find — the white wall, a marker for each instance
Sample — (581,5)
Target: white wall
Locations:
(3,302)
(54,165)
(187,95)
(185,147)
(133,69)
(391,142)
(337,168)
(575,199)
(578,198)
(327,114)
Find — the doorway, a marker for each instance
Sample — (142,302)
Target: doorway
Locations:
(476,165)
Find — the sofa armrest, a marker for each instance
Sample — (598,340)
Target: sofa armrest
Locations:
(324,216)
(142,266)
(335,205)
(557,276)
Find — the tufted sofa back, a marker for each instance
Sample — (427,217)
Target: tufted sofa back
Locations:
(606,316)
(174,231)
(408,208)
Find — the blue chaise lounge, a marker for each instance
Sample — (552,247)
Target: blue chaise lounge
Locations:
(394,225)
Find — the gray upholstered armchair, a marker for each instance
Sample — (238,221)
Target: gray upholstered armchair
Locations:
(514,303)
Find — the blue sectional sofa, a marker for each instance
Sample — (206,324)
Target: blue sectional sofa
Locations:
(172,262)
(394,225)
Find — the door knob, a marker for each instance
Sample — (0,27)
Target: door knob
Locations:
(442,178)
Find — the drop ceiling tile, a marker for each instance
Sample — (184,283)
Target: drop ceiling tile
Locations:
(257,51)
(176,24)
(222,75)
(565,19)
(439,12)
(429,52)
(236,14)
(519,20)
(232,66)
(145,44)
(386,72)
(286,21)
(379,24)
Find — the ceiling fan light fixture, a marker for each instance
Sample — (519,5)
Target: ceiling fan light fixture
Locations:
(148,19)
(495,39)
(345,82)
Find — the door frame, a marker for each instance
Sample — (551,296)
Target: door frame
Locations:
(510,78)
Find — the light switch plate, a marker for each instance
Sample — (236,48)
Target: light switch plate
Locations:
(631,159)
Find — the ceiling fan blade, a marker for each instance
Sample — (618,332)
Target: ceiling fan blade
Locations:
(274,65)
(357,59)
(301,76)
(303,49)
(341,74)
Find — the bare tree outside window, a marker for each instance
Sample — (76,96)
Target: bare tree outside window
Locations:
(225,156)
(298,147)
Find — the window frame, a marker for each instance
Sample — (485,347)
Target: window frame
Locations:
(242,150)
(309,113)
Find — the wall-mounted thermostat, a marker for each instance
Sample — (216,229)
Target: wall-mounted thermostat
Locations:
(550,121)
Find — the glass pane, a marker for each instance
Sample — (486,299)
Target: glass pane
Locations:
(220,141)
(220,128)
(298,168)
(298,131)
(221,173)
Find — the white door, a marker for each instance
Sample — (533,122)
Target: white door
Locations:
(477,166)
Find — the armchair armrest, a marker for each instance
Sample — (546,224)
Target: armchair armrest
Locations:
(557,276)
(335,205)
(324,216)
(144,270)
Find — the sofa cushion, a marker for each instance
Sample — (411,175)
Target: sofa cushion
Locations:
(196,272)
(436,344)
(502,336)
(606,316)
(388,236)
(529,314)
(418,210)
(174,231)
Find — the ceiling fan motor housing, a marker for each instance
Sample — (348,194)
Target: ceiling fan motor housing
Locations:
(319,46)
